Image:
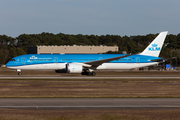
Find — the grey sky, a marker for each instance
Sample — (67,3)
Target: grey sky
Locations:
(98,17)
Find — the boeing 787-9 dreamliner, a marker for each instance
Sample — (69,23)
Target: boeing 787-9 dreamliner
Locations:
(86,64)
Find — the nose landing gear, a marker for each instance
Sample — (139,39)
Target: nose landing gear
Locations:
(19,72)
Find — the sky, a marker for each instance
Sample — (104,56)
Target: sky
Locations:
(97,17)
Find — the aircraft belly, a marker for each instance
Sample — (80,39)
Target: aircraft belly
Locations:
(124,66)
(52,66)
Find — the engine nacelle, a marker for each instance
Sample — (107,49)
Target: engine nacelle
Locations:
(74,68)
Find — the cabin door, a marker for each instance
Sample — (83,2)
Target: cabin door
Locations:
(55,60)
(23,60)
(137,60)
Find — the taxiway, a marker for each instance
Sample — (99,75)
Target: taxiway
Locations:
(88,103)
(87,77)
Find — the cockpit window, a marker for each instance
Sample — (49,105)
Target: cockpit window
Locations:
(13,60)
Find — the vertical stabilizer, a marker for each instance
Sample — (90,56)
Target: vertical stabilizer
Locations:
(155,46)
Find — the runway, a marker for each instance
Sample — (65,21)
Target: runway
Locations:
(88,77)
(88,103)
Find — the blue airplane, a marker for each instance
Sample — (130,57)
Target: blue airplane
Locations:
(86,64)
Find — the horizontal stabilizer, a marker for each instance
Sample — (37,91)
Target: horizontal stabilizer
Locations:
(158,60)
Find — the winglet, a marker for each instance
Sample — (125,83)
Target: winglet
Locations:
(155,47)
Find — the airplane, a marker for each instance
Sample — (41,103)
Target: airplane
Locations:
(86,64)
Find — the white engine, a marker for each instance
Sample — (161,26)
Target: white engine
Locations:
(74,68)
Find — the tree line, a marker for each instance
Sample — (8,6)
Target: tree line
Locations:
(11,47)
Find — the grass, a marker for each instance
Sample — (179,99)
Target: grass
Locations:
(121,114)
(89,88)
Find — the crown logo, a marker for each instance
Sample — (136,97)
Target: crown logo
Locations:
(33,57)
(154,45)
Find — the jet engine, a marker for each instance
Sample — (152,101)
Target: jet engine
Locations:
(74,68)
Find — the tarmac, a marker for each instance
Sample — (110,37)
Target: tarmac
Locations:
(90,77)
(88,103)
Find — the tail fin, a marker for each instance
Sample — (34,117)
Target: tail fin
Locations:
(155,46)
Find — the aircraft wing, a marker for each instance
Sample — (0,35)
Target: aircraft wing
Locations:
(95,64)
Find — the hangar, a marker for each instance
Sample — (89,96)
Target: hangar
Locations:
(67,49)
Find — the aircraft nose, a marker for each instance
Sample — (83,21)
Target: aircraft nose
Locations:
(8,64)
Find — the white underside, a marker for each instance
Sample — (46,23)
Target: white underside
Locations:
(108,66)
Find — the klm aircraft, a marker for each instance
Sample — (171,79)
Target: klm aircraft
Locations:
(86,64)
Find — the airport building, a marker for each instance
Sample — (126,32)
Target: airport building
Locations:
(66,49)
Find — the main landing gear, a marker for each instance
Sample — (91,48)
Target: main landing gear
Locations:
(89,73)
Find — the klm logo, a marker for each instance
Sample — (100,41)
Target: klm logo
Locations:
(33,57)
(154,47)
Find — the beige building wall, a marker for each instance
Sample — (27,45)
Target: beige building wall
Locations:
(75,49)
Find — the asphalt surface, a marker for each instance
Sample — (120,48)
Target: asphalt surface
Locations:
(90,77)
(88,103)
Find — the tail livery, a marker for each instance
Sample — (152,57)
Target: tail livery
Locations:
(155,47)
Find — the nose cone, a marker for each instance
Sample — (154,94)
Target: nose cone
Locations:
(9,64)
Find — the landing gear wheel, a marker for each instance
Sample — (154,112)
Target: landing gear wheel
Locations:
(84,73)
(19,73)
(88,73)
(93,73)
